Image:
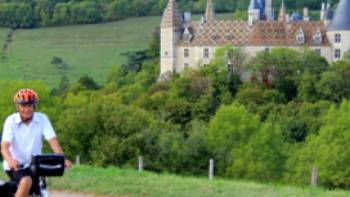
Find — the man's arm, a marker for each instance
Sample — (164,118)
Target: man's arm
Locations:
(5,151)
(56,148)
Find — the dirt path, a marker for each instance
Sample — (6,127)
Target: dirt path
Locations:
(68,194)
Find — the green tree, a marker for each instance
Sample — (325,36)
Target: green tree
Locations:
(44,10)
(263,157)
(61,14)
(230,128)
(240,15)
(327,151)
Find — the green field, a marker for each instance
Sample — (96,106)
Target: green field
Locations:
(125,182)
(114,181)
(86,49)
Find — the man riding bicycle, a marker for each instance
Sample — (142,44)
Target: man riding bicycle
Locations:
(22,138)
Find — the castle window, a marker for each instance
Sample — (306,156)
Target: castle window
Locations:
(166,53)
(186,53)
(337,53)
(185,65)
(318,51)
(337,38)
(206,53)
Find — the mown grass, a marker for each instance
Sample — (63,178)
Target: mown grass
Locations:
(114,181)
(86,49)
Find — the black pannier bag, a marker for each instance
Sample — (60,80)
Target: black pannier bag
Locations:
(48,165)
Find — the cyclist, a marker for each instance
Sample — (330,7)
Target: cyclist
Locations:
(22,138)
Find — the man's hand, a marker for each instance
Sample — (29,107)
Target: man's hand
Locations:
(13,164)
(67,163)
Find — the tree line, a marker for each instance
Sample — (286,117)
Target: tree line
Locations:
(29,14)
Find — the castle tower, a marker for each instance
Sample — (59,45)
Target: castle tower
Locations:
(339,30)
(210,11)
(253,12)
(282,16)
(269,10)
(170,32)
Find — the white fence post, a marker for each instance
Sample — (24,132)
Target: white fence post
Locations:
(140,164)
(77,160)
(314,174)
(211,169)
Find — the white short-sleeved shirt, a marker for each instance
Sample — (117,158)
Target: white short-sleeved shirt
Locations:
(26,140)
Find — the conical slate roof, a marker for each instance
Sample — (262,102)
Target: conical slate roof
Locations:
(341,19)
(171,16)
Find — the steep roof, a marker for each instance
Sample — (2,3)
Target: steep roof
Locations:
(282,13)
(171,16)
(239,33)
(341,19)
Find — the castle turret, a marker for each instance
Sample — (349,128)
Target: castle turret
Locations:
(170,32)
(339,29)
(210,11)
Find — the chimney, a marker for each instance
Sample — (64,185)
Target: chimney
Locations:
(202,20)
(210,11)
(306,14)
(323,11)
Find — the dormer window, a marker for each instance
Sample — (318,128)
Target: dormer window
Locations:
(300,37)
(187,36)
(317,38)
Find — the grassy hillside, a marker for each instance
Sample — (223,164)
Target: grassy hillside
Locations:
(114,181)
(86,49)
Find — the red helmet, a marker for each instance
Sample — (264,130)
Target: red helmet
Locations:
(26,96)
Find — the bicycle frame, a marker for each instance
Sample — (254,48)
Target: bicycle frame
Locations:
(41,166)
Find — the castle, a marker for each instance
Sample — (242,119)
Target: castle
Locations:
(188,43)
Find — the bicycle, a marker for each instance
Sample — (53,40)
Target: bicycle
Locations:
(45,165)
